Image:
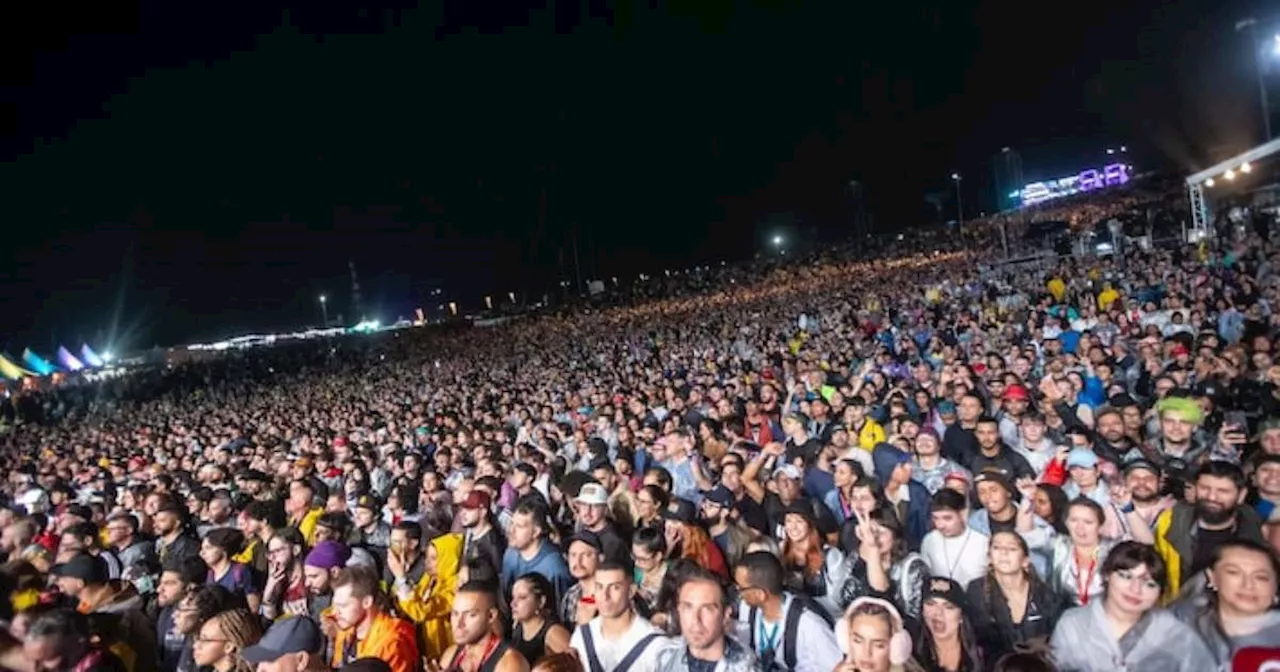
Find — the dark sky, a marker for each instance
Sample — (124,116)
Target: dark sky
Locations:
(192,170)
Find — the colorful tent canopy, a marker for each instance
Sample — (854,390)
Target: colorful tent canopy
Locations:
(38,364)
(12,371)
(68,361)
(88,356)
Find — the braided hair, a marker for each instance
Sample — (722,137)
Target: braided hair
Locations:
(242,628)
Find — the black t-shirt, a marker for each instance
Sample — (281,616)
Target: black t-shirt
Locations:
(1012,465)
(615,547)
(1206,541)
(1010,525)
(752,514)
(700,665)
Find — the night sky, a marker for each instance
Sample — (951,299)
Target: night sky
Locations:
(176,171)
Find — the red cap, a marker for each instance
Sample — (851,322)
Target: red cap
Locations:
(1016,391)
(476,499)
(340,442)
(1180,349)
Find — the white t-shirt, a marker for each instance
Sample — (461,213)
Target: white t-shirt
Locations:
(610,652)
(961,559)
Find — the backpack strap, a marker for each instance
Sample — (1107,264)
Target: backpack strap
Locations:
(636,651)
(799,605)
(588,643)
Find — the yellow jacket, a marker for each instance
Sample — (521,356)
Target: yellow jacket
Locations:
(307,525)
(1057,287)
(1172,560)
(430,603)
(871,434)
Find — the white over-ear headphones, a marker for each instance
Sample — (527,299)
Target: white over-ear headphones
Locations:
(899,644)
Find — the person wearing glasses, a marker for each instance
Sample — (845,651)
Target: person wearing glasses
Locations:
(1124,630)
(788,633)
(193,611)
(222,639)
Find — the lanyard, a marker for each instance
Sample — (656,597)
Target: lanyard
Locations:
(767,640)
(1082,590)
(946,555)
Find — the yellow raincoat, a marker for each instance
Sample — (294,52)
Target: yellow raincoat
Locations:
(430,602)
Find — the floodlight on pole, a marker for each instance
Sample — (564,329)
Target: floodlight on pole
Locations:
(324,309)
(955,177)
(777,241)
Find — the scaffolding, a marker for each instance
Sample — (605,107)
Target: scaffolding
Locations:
(1227,169)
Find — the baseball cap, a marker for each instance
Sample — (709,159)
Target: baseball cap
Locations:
(478,499)
(288,635)
(943,588)
(586,537)
(370,502)
(88,568)
(789,471)
(1080,457)
(1016,392)
(1140,463)
(592,494)
(682,511)
(946,406)
(993,476)
(719,496)
(956,475)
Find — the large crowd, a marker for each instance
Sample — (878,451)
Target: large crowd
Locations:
(868,461)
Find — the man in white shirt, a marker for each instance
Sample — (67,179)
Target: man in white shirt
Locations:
(952,549)
(617,639)
(787,633)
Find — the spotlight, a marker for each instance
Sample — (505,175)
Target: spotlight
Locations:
(1245,167)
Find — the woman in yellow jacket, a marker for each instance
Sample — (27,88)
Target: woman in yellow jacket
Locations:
(429,603)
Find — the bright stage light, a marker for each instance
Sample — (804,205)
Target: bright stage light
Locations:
(1209,182)
(1230,174)
(1245,167)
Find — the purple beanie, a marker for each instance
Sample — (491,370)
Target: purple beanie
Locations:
(328,555)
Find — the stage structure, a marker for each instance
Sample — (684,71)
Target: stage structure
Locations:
(1227,170)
